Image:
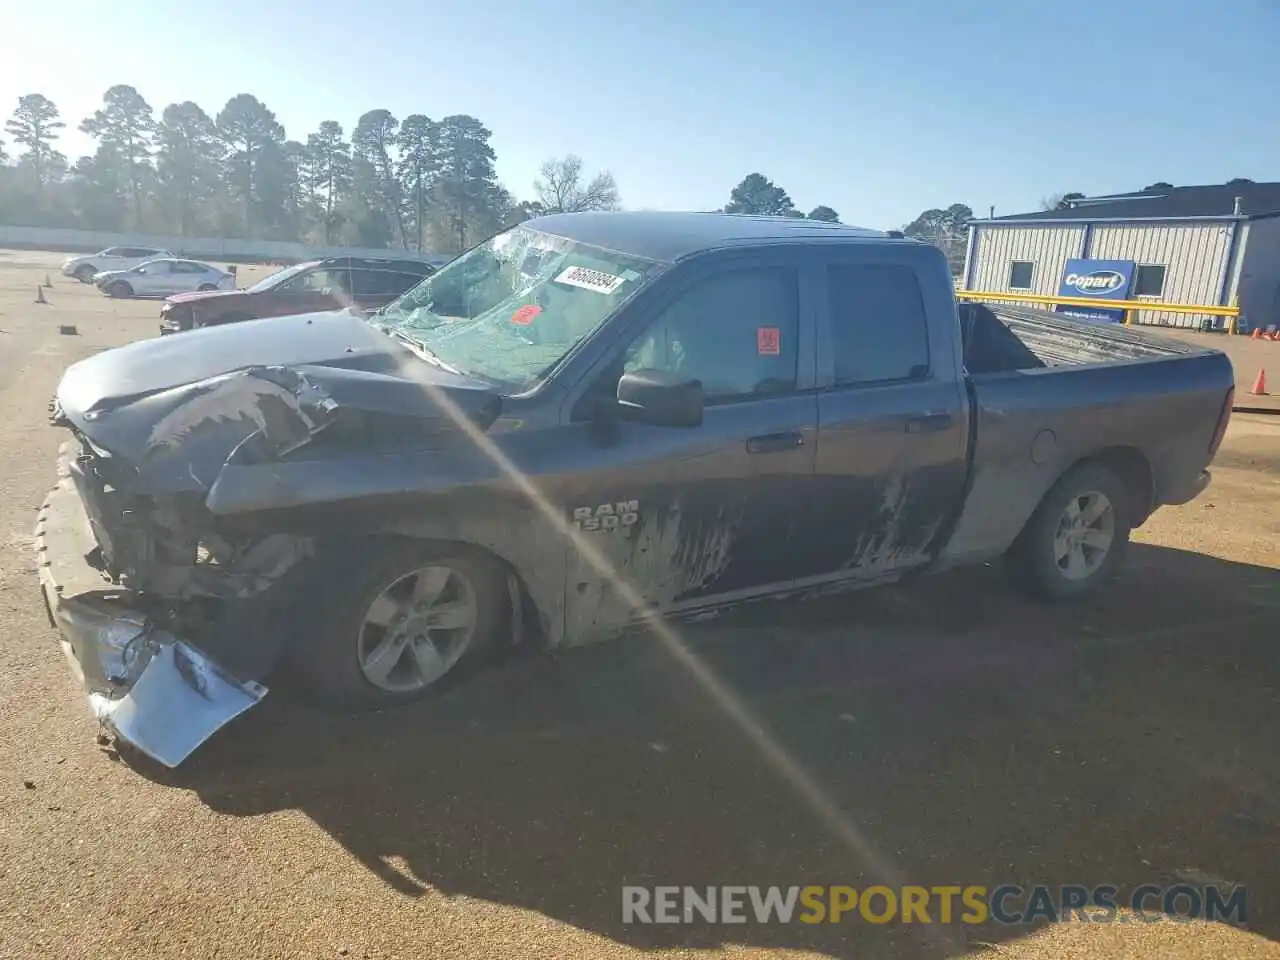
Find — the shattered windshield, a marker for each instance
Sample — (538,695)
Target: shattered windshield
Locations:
(511,308)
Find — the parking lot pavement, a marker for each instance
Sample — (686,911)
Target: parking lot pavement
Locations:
(965,736)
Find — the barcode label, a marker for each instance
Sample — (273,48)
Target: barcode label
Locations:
(589,279)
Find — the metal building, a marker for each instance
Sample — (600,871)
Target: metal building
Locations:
(1207,246)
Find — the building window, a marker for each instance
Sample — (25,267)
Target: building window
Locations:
(1020,274)
(1148,280)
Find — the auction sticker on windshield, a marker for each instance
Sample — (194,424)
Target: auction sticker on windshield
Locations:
(589,279)
(524,316)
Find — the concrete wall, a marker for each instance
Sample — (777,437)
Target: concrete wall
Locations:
(209,248)
(1047,248)
(1259,283)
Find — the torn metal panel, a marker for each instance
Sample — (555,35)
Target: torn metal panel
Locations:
(152,688)
(247,396)
(220,571)
(180,699)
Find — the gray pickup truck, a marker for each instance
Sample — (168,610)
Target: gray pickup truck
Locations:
(580,421)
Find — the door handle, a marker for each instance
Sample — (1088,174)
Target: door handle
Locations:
(774,442)
(929,423)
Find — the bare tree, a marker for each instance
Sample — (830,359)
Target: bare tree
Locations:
(560,188)
(1059,201)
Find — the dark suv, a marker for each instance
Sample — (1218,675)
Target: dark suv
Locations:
(330,284)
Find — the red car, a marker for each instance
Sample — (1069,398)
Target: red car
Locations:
(330,284)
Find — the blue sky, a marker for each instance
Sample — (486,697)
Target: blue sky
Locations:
(877,109)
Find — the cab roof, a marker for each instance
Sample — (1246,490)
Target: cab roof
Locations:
(668,237)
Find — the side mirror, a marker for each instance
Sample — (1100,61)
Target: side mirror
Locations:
(660,398)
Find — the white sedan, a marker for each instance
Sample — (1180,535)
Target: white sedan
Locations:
(112,258)
(163,277)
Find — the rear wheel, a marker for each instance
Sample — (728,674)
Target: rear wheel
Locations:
(389,622)
(1076,537)
(84,273)
(120,289)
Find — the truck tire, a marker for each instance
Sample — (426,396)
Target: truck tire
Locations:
(1076,537)
(379,623)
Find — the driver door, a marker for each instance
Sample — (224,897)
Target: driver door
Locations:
(693,517)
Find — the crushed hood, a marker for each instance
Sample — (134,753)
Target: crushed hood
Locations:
(176,409)
(336,339)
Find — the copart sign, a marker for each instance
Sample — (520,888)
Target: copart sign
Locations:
(1095,280)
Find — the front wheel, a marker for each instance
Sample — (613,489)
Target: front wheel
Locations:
(120,290)
(1076,537)
(84,273)
(389,622)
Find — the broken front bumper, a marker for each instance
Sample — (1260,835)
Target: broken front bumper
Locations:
(152,689)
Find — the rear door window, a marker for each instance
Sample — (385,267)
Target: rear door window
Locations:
(878,329)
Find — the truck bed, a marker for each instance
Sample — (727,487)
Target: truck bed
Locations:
(1003,337)
(1047,391)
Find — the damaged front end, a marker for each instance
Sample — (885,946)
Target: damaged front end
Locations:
(197,482)
(164,616)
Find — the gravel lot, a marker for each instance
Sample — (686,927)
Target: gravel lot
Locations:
(970,736)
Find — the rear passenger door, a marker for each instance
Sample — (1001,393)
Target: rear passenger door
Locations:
(892,419)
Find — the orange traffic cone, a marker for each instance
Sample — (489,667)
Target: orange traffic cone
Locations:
(40,294)
(1260,384)
(1257,334)
(48,284)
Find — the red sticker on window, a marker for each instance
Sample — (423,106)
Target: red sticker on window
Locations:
(768,341)
(524,316)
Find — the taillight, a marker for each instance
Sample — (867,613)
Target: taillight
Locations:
(1223,419)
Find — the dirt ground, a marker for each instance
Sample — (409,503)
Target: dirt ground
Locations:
(968,736)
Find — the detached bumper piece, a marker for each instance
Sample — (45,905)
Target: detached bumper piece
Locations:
(150,688)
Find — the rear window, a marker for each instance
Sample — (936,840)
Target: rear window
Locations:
(878,327)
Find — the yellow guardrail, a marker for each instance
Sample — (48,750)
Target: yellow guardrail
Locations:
(1128,306)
